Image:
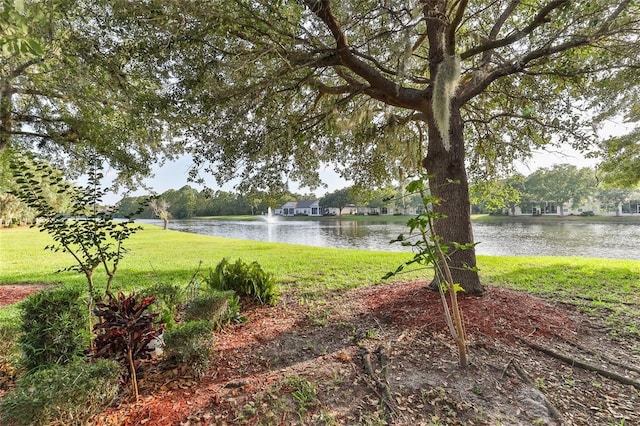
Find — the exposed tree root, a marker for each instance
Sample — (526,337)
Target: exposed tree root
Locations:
(604,357)
(381,379)
(586,366)
(552,408)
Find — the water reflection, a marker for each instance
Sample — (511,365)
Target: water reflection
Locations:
(603,240)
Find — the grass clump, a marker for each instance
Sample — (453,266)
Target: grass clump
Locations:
(54,326)
(190,344)
(217,307)
(62,394)
(303,392)
(9,349)
(246,279)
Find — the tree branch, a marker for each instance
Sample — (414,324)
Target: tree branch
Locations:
(497,26)
(540,19)
(469,91)
(21,68)
(453,26)
(30,134)
(381,88)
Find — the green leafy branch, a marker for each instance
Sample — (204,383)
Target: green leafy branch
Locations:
(431,252)
(82,228)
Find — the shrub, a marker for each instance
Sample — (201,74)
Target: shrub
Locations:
(217,307)
(68,394)
(54,323)
(190,344)
(245,279)
(96,240)
(169,297)
(125,330)
(9,348)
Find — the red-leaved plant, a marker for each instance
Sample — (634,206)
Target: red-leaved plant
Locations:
(125,330)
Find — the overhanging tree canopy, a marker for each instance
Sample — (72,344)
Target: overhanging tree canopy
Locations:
(74,85)
(272,90)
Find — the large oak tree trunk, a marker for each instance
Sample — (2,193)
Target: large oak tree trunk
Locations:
(448,182)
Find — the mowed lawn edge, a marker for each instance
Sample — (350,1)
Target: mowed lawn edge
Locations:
(155,255)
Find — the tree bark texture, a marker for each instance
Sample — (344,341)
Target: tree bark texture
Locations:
(6,125)
(445,161)
(448,182)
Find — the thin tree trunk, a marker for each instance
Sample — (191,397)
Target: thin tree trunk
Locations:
(448,182)
(134,377)
(6,125)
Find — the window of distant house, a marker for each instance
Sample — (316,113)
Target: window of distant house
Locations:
(551,208)
(384,210)
(314,210)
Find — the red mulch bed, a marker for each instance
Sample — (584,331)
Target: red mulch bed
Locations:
(12,293)
(501,314)
(313,338)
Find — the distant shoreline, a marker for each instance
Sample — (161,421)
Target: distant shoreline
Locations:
(552,218)
(477,218)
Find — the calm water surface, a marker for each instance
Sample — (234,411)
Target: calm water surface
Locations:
(601,240)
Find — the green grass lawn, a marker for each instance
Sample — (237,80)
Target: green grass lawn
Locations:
(171,256)
(155,254)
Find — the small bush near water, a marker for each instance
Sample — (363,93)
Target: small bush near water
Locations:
(246,279)
(54,325)
(62,394)
(190,344)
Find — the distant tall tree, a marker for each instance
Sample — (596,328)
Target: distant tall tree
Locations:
(500,194)
(11,208)
(182,202)
(160,209)
(561,184)
(337,199)
(614,197)
(360,195)
(381,198)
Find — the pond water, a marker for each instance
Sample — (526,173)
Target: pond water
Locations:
(599,240)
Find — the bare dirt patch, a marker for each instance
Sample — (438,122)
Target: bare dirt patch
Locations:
(381,355)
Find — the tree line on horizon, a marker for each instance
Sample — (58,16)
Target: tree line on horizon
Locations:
(556,185)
